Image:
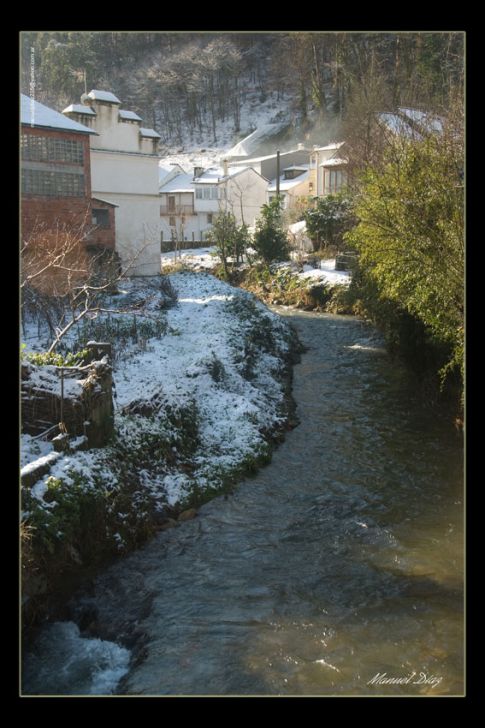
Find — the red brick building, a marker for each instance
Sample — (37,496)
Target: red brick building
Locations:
(56,177)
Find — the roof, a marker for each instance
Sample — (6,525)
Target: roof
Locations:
(103,96)
(424,118)
(398,125)
(105,202)
(129,115)
(287,184)
(35,114)
(333,162)
(333,145)
(79,109)
(252,141)
(213,175)
(180,183)
(299,167)
(251,160)
(149,133)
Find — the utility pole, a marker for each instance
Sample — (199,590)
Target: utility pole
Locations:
(278,175)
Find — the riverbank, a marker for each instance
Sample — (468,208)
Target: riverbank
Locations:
(197,407)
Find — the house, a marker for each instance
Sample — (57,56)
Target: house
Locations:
(190,202)
(327,169)
(56,178)
(267,165)
(125,173)
(294,184)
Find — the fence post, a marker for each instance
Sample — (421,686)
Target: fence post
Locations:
(62,395)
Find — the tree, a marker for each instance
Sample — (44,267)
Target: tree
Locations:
(230,239)
(411,231)
(270,240)
(327,222)
(62,282)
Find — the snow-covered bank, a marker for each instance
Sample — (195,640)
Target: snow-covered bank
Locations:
(196,407)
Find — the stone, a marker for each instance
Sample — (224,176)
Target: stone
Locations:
(187,515)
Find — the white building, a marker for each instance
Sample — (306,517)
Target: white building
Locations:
(124,171)
(327,170)
(294,183)
(189,203)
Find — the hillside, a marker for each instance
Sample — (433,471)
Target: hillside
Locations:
(207,91)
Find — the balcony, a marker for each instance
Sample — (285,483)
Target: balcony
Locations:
(177,210)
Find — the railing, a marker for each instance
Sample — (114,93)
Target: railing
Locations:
(177,210)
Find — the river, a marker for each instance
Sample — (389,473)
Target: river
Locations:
(336,570)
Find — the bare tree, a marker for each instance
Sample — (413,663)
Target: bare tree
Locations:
(63,281)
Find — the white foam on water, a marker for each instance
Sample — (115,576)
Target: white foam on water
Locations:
(62,662)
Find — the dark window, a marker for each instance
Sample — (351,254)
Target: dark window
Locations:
(49,149)
(52,184)
(101,218)
(171,221)
(209,218)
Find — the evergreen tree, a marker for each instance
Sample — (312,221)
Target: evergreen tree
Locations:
(270,240)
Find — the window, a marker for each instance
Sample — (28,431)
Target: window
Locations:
(171,221)
(52,184)
(198,193)
(171,203)
(333,180)
(209,218)
(100,217)
(49,149)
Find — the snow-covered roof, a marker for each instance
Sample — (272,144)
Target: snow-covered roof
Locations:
(333,145)
(423,118)
(253,160)
(103,96)
(35,114)
(149,133)
(79,109)
(333,162)
(106,202)
(180,183)
(253,140)
(287,184)
(298,167)
(398,125)
(123,114)
(213,175)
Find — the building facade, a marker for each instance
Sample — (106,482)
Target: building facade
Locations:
(189,203)
(124,173)
(56,176)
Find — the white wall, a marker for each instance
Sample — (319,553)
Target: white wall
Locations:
(250,189)
(131,182)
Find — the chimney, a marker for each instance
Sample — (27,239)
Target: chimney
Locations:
(225,167)
(198,171)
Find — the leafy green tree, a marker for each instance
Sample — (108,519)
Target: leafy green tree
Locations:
(270,240)
(327,222)
(229,238)
(411,233)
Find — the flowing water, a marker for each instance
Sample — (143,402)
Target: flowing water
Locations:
(337,567)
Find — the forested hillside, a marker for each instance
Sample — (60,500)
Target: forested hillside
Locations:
(211,89)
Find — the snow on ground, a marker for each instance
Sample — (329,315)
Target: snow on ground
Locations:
(32,449)
(326,273)
(198,258)
(205,362)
